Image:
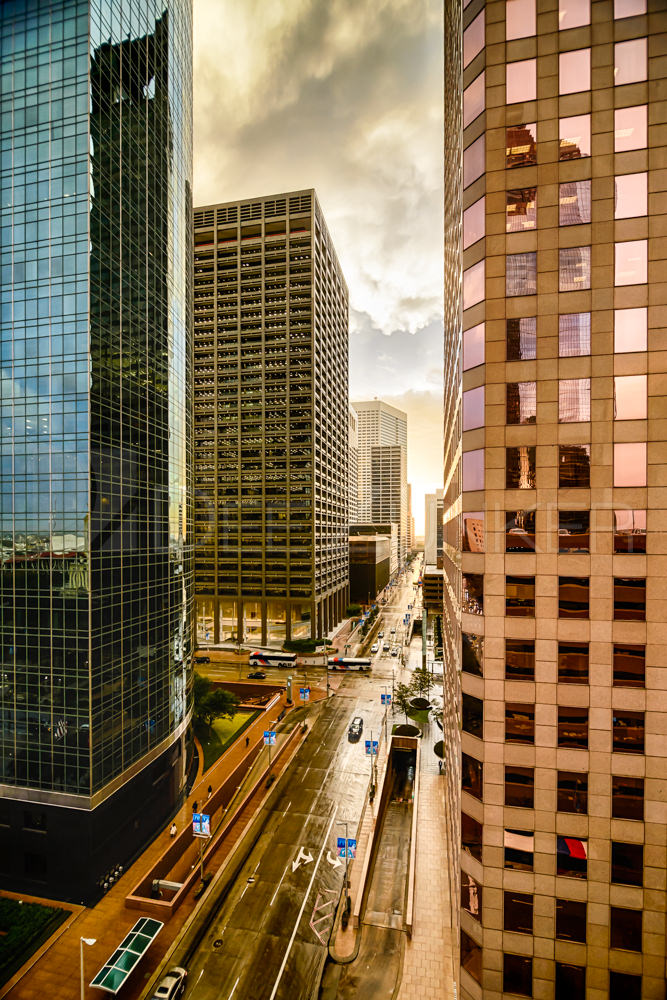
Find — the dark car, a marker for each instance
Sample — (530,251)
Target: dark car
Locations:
(355,729)
(202,659)
(257,675)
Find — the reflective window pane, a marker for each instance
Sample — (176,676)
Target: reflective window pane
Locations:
(631,195)
(573,596)
(472,535)
(471,836)
(574,269)
(521,402)
(521,81)
(630,397)
(574,465)
(630,61)
(473,223)
(519,530)
(521,209)
(627,797)
(574,137)
(570,981)
(627,866)
(473,470)
(574,203)
(472,775)
(473,408)
(521,145)
(518,975)
(630,464)
(573,530)
(625,929)
(519,18)
(629,8)
(473,161)
(574,71)
(629,599)
(572,792)
(517,912)
(571,920)
(473,346)
(631,262)
(519,848)
(627,731)
(629,530)
(520,659)
(520,468)
(573,13)
(520,596)
(473,653)
(473,100)
(630,333)
(473,39)
(521,274)
(471,890)
(519,723)
(574,335)
(472,589)
(572,857)
(574,400)
(519,786)
(630,128)
(629,665)
(472,715)
(471,953)
(473,285)
(521,334)
(573,663)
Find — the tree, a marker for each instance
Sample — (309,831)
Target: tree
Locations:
(421,680)
(211,703)
(402,696)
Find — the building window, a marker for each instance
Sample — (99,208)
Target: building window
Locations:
(519,660)
(573,663)
(629,665)
(473,223)
(472,653)
(472,775)
(519,848)
(573,596)
(630,330)
(520,468)
(519,786)
(519,18)
(471,836)
(573,13)
(34,820)
(625,929)
(472,715)
(631,195)
(574,269)
(473,347)
(629,599)
(574,335)
(473,593)
(630,464)
(471,896)
(521,145)
(574,203)
(629,530)
(518,975)
(521,402)
(630,128)
(521,209)
(574,530)
(521,338)
(631,263)
(473,408)
(521,81)
(570,981)
(571,920)
(572,792)
(517,911)
(627,863)
(473,285)
(574,400)
(574,71)
(521,274)
(520,596)
(474,161)
(623,986)
(471,957)
(573,727)
(630,61)
(627,797)
(629,8)
(630,397)
(574,465)
(473,470)
(473,39)
(472,535)
(520,531)
(519,723)
(473,100)
(627,731)
(574,139)
(571,857)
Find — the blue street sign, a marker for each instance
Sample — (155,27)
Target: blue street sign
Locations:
(305,693)
(269,738)
(351,847)
(371,752)
(385,699)
(201,825)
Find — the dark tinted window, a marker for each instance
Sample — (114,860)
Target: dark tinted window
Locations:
(623,986)
(627,797)
(472,715)
(520,530)
(519,848)
(573,663)
(629,665)
(519,786)
(520,659)
(518,975)
(472,775)
(627,863)
(473,593)
(520,596)
(34,819)
(625,929)
(573,530)
(573,728)
(518,912)
(573,597)
(628,731)
(570,982)
(572,793)
(629,599)
(520,468)
(472,653)
(519,723)
(471,957)
(574,465)
(471,896)
(629,531)
(521,402)
(521,336)
(571,920)
(571,857)
(471,836)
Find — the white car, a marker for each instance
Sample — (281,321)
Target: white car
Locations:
(375,647)
(392,631)
(172,985)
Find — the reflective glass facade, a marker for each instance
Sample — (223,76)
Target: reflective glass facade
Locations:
(96,579)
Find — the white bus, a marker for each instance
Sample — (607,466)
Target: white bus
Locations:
(260,659)
(349,663)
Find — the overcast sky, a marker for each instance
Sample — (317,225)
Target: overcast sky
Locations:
(344,96)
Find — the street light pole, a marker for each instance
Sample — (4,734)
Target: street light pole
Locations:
(82,941)
(343,822)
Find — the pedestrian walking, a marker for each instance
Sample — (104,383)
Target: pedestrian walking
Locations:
(172,830)
(247,741)
(194,806)
(439,767)
(209,792)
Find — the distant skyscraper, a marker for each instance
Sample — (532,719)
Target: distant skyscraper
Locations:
(271,421)
(96,577)
(410,536)
(433,511)
(353,476)
(381,424)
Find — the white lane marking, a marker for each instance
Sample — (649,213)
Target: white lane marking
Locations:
(278,887)
(305,773)
(286,809)
(233,988)
(303,906)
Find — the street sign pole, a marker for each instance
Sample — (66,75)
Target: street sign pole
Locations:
(343,822)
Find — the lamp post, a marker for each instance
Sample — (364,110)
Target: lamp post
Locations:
(82,941)
(386,709)
(343,822)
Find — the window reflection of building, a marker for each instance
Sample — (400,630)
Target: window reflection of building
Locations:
(473,533)
(521,146)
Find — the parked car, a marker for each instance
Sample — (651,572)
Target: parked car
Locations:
(375,647)
(257,675)
(355,729)
(202,659)
(172,985)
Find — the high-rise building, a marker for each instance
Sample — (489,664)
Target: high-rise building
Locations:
(353,473)
(410,536)
(555,454)
(433,528)
(97,555)
(380,424)
(271,421)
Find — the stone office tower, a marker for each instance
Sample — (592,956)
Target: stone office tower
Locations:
(555,454)
(95,440)
(271,421)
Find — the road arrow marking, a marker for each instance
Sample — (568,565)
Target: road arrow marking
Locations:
(301,858)
(334,862)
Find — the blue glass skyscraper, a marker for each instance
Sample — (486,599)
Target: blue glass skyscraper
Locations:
(95,435)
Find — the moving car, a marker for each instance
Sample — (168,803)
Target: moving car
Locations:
(375,647)
(172,985)
(394,651)
(385,647)
(257,675)
(355,729)
(380,635)
(202,659)
(392,632)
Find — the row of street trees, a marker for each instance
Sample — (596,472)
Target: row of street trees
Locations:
(419,685)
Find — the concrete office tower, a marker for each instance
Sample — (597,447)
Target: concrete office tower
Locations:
(381,424)
(271,422)
(353,474)
(97,556)
(555,208)
(389,491)
(410,537)
(433,528)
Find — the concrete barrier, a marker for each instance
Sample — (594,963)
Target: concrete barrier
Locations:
(410,899)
